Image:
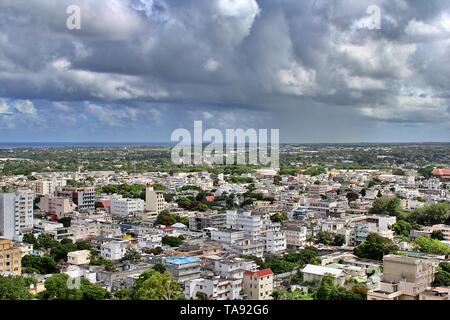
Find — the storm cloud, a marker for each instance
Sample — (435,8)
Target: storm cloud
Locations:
(320,70)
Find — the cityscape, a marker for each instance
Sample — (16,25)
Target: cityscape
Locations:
(226,157)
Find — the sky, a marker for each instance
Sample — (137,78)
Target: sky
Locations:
(317,70)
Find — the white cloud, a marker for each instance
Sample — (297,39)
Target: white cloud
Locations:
(211,65)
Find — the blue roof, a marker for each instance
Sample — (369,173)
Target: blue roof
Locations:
(182,260)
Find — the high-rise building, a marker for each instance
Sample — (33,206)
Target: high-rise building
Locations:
(124,206)
(16,214)
(83,197)
(154,200)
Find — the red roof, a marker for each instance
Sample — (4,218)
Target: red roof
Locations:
(259,273)
(441,172)
(210,198)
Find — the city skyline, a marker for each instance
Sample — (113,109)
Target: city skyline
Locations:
(320,71)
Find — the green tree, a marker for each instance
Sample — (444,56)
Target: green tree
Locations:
(428,245)
(402,228)
(29,238)
(15,288)
(279,217)
(40,265)
(152,285)
(159,267)
(375,247)
(386,206)
(438,235)
(58,287)
(432,214)
(442,276)
(339,240)
(324,237)
(131,255)
(352,196)
(201,296)
(172,241)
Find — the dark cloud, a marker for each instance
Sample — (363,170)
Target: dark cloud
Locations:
(295,60)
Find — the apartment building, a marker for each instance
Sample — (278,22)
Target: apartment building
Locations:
(203,220)
(114,249)
(295,236)
(57,206)
(124,206)
(83,197)
(258,285)
(16,214)
(79,257)
(183,268)
(48,187)
(253,225)
(154,200)
(317,190)
(404,278)
(275,239)
(215,288)
(10,259)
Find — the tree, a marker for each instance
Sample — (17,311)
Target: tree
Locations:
(363,192)
(438,213)
(15,288)
(279,217)
(386,206)
(339,240)
(172,241)
(159,267)
(93,292)
(324,237)
(402,228)
(442,276)
(40,265)
(201,296)
(328,290)
(29,238)
(352,196)
(66,221)
(375,247)
(428,245)
(165,218)
(152,285)
(438,235)
(131,255)
(57,288)
(155,251)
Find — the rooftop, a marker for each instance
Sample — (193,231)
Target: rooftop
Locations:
(182,260)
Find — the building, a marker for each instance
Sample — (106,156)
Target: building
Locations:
(317,190)
(445,229)
(124,206)
(57,206)
(183,268)
(295,236)
(215,288)
(404,278)
(443,174)
(314,274)
(83,197)
(16,214)
(154,200)
(114,249)
(258,285)
(202,220)
(10,259)
(79,257)
(47,187)
(252,224)
(275,239)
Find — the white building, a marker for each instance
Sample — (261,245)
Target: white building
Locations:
(16,214)
(79,257)
(295,236)
(275,239)
(114,250)
(124,206)
(216,288)
(251,224)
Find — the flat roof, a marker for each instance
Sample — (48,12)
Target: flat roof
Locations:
(182,260)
